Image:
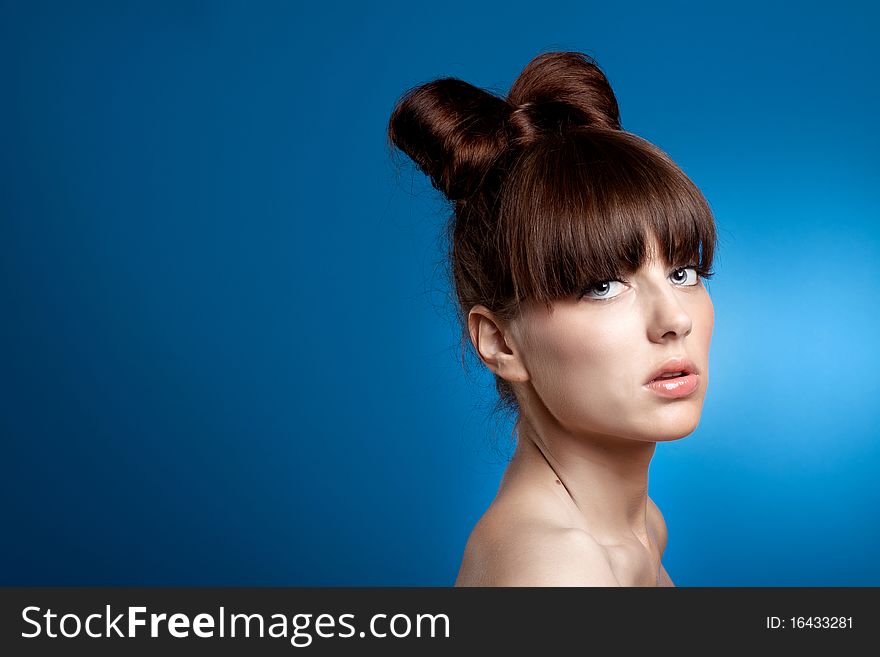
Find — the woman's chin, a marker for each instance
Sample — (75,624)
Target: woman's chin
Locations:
(673,425)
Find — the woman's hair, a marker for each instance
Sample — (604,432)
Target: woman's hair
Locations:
(550,194)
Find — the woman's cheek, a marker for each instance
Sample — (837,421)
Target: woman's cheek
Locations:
(572,374)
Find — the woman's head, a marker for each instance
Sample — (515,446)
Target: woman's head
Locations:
(551,199)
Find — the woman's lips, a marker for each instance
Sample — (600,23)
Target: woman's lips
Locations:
(679,386)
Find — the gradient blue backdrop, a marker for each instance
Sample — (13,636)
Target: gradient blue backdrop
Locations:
(227,352)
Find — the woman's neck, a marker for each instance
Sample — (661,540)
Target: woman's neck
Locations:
(604,477)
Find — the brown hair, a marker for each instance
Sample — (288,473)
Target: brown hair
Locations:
(550,194)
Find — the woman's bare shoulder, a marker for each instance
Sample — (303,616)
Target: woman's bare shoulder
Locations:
(511,547)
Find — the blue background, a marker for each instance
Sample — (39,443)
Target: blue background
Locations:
(228,357)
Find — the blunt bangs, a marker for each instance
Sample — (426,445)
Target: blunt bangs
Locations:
(580,209)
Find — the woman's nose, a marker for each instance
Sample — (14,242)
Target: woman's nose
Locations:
(668,319)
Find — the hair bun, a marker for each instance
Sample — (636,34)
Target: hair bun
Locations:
(558,90)
(456,132)
(452,130)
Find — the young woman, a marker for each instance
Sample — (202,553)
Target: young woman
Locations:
(578,255)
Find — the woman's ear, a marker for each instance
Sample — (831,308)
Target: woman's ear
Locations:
(496,345)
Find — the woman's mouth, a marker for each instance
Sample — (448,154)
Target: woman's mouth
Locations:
(672,385)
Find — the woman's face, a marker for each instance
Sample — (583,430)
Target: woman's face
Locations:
(589,360)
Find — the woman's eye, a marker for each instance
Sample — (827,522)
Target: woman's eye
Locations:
(602,290)
(686,280)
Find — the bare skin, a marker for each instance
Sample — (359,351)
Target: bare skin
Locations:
(528,511)
(573,506)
